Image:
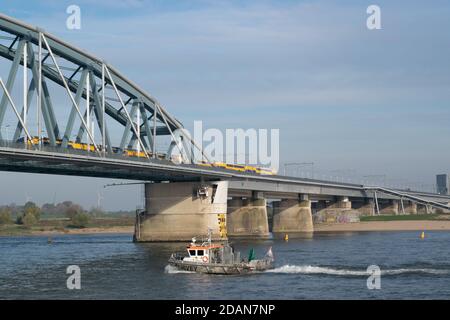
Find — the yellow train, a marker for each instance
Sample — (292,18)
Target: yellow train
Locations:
(84,146)
(134,153)
(238,167)
(141,154)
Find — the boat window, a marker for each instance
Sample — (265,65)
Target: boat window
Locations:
(192,252)
(199,252)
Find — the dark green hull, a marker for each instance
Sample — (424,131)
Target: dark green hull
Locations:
(220,268)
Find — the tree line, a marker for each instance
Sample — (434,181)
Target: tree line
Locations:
(30,213)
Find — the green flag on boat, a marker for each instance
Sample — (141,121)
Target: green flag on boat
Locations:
(251,255)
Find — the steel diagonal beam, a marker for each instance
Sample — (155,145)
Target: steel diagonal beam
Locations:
(73,111)
(5,90)
(50,110)
(147,131)
(133,142)
(143,133)
(75,72)
(46,114)
(171,133)
(14,42)
(30,94)
(49,124)
(133,136)
(81,130)
(127,131)
(69,92)
(126,111)
(11,79)
(98,111)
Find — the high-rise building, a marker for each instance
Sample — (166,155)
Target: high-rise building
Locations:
(442,184)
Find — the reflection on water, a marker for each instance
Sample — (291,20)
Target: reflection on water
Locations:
(318,267)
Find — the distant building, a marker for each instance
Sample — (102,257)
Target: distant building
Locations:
(442,184)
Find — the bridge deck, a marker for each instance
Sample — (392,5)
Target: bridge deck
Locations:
(72,162)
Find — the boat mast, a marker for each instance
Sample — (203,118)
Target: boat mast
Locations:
(209,236)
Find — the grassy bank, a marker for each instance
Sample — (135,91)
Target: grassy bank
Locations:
(408,217)
(64,226)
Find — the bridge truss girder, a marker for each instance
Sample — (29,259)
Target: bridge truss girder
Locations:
(86,79)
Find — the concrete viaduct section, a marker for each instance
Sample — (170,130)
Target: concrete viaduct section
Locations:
(178,211)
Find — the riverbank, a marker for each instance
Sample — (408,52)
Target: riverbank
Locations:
(398,225)
(62,226)
(412,225)
(16,231)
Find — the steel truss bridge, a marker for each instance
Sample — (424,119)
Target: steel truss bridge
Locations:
(68,97)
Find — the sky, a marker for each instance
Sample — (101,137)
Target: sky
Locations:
(355,102)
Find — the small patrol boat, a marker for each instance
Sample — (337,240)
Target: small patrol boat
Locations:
(219,258)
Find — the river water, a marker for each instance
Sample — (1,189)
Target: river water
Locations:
(327,266)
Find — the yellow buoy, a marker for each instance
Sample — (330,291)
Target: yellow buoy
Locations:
(286,237)
(422,236)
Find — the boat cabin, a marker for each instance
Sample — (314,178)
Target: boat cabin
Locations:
(202,253)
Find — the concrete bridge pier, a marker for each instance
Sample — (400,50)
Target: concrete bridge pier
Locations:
(340,203)
(247,218)
(365,207)
(422,209)
(337,210)
(389,208)
(179,211)
(292,215)
(410,207)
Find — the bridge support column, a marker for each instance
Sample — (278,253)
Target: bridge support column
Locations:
(389,208)
(337,211)
(340,203)
(365,207)
(410,207)
(181,210)
(247,218)
(424,209)
(293,216)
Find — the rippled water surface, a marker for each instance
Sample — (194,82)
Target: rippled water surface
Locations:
(327,266)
